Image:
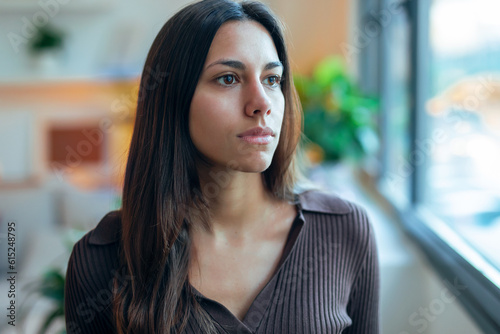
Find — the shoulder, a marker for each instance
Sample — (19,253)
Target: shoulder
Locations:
(93,267)
(329,211)
(329,203)
(107,230)
(99,247)
(94,258)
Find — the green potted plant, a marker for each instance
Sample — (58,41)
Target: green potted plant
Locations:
(339,121)
(46,38)
(45,47)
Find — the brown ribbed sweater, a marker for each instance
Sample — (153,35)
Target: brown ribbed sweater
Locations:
(326,281)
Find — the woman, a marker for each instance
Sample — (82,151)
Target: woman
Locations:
(211,237)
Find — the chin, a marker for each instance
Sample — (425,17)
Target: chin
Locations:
(255,169)
(251,164)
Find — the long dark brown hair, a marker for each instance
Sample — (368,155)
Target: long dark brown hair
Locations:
(161,193)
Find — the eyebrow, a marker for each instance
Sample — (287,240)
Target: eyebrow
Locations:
(240,66)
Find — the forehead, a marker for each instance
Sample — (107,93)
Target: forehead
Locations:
(247,41)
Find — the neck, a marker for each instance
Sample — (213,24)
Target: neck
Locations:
(238,201)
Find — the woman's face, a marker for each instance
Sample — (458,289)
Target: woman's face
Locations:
(237,108)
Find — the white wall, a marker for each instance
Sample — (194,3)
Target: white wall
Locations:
(99,37)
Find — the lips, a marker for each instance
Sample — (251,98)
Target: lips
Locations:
(257,132)
(257,136)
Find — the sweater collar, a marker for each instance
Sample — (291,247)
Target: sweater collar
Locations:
(316,201)
(108,229)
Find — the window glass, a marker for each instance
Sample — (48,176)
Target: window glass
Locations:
(463,175)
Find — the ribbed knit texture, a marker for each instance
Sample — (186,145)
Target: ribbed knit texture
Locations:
(327,280)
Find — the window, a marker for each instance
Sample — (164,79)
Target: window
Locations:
(463,177)
(439,83)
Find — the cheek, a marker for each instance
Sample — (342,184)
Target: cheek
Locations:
(280,111)
(197,116)
(206,118)
(200,111)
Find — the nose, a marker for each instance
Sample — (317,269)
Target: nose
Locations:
(257,100)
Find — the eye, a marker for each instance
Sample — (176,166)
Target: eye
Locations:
(273,81)
(227,80)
